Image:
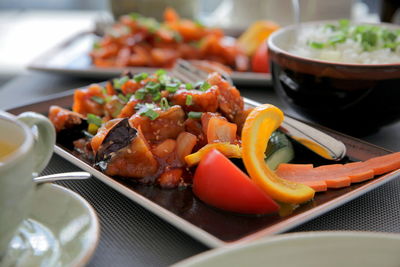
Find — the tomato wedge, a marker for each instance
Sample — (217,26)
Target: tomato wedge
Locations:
(220,183)
(259,61)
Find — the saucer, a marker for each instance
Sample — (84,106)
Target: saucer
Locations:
(328,249)
(62,230)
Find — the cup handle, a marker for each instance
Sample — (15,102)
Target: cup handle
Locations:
(45,138)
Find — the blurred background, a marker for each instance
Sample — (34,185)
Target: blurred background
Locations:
(30,28)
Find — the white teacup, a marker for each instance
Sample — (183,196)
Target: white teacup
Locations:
(25,150)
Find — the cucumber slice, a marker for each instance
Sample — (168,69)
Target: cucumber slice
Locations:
(279,150)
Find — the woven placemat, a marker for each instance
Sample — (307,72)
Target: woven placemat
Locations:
(129,234)
(132,236)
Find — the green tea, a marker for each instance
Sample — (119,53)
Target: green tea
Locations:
(6,149)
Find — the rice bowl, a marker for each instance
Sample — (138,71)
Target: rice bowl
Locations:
(334,43)
(352,97)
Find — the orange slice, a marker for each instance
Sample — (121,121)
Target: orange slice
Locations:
(257,129)
(257,33)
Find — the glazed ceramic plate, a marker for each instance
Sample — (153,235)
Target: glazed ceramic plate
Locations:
(62,230)
(72,57)
(214,227)
(328,249)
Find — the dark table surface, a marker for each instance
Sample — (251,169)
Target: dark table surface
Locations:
(132,236)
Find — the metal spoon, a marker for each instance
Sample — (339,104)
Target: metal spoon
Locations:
(321,143)
(62,176)
(317,141)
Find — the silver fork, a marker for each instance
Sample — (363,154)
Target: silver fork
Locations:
(319,142)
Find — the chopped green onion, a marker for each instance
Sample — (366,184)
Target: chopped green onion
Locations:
(189,100)
(156,96)
(150,24)
(369,37)
(141,76)
(317,45)
(205,86)
(140,94)
(134,15)
(123,98)
(164,103)
(189,86)
(195,115)
(96,45)
(91,118)
(164,79)
(150,113)
(331,27)
(389,36)
(392,46)
(340,38)
(172,87)
(199,24)
(344,23)
(117,83)
(153,87)
(160,72)
(98,99)
(108,98)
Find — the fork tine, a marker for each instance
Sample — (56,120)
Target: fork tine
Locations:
(189,68)
(177,74)
(187,72)
(191,74)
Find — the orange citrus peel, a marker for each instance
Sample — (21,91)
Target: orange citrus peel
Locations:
(229,150)
(257,129)
(257,33)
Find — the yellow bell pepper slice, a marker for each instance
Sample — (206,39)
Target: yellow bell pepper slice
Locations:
(257,129)
(229,150)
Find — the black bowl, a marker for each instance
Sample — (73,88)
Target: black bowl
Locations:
(353,98)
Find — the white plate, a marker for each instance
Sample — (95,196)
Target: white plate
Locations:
(62,230)
(328,249)
(72,58)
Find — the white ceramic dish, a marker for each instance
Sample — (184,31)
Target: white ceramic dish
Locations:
(62,230)
(328,249)
(72,58)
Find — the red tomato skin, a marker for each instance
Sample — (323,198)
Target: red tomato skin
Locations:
(220,183)
(259,61)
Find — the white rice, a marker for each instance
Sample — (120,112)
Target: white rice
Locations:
(348,52)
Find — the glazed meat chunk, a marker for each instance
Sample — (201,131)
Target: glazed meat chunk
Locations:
(168,124)
(124,151)
(64,119)
(195,100)
(230,102)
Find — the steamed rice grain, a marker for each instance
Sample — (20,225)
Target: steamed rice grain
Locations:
(349,51)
